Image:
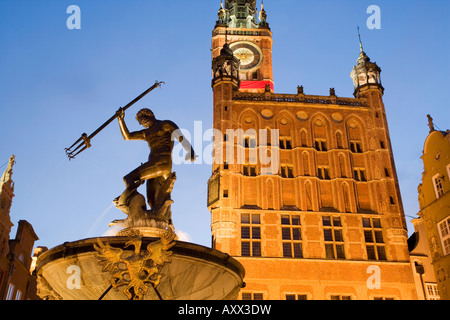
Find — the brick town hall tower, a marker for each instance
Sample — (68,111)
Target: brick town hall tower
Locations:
(304,190)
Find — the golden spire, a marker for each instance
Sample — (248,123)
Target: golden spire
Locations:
(221,14)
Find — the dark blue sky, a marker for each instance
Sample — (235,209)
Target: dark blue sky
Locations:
(57,83)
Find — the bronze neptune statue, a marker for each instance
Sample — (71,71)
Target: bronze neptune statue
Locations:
(156,172)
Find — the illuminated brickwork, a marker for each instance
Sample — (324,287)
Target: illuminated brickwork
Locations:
(313,226)
(434,200)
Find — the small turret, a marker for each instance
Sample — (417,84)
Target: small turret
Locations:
(221,15)
(225,67)
(263,17)
(238,14)
(366,74)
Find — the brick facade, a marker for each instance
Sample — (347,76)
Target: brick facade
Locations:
(330,210)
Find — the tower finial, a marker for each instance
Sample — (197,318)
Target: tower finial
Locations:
(430,123)
(221,14)
(360,42)
(263,16)
(6,176)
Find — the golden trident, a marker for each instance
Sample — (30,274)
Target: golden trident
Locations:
(85,141)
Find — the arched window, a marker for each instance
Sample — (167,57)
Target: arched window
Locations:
(355,136)
(320,134)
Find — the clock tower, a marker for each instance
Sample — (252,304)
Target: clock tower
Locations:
(248,35)
(304,191)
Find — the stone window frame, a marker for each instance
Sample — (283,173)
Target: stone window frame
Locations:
(19,295)
(254,238)
(335,230)
(444,234)
(375,230)
(10,292)
(288,224)
(320,144)
(355,146)
(249,142)
(285,143)
(432,291)
(383,298)
(359,174)
(438,185)
(323,172)
(252,295)
(287,171)
(296,296)
(340,296)
(249,170)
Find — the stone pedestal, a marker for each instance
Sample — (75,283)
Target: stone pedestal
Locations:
(151,232)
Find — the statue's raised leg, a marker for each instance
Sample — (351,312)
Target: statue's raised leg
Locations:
(162,199)
(133,204)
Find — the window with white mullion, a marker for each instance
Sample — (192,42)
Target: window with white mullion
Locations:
(250,235)
(444,232)
(291,236)
(438,186)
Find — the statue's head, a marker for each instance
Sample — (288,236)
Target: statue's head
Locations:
(145,117)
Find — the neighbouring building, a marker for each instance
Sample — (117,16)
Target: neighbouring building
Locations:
(421,263)
(16,280)
(304,191)
(434,202)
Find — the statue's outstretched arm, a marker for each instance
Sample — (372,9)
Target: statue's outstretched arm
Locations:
(127,135)
(177,134)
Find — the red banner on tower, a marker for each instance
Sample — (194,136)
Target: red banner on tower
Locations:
(256,84)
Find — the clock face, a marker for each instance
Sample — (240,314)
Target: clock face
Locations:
(248,53)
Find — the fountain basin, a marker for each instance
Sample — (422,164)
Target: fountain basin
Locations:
(71,271)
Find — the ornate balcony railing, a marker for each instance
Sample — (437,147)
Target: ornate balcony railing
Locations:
(299,98)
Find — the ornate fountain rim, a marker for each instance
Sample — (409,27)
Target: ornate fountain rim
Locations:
(180,248)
